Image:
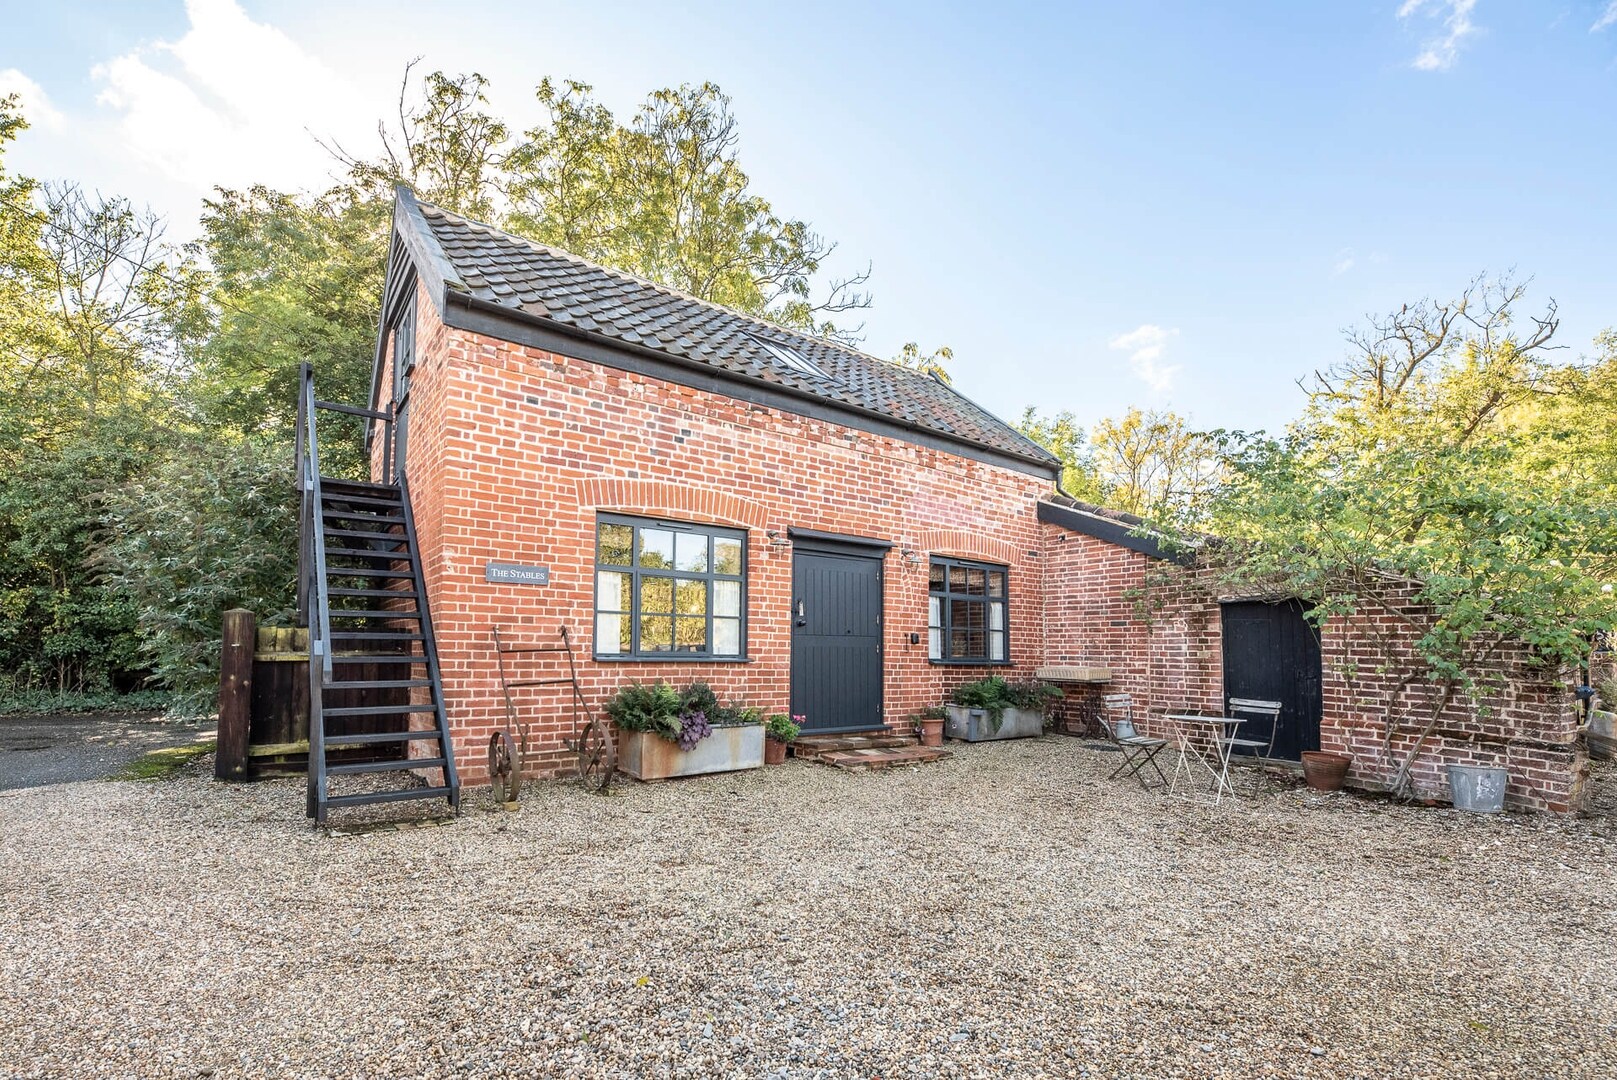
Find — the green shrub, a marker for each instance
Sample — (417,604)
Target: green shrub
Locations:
(212,527)
(655,708)
(991,694)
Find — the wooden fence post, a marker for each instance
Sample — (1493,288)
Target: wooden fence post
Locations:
(235,695)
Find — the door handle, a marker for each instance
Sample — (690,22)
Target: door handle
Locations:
(802,617)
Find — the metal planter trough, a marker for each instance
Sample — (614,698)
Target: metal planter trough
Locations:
(975,725)
(645,756)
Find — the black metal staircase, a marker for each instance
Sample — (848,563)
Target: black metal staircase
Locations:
(361,592)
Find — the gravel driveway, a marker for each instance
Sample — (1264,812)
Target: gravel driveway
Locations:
(57,749)
(1006,913)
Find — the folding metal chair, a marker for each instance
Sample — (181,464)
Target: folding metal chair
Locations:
(1139,751)
(1254,709)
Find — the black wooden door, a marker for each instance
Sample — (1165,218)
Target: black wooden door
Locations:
(836,641)
(1271,652)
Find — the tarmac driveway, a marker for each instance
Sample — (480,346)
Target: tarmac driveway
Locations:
(60,749)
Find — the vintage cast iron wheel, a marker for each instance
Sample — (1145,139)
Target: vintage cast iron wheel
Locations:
(597,756)
(504,767)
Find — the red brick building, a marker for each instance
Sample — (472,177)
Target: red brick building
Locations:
(695,493)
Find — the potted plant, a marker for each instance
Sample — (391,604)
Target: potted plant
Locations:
(666,732)
(779,730)
(1325,771)
(992,708)
(929,723)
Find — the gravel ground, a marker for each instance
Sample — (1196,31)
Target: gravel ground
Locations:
(1008,912)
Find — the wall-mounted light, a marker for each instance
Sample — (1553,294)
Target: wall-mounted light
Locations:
(911,556)
(776,539)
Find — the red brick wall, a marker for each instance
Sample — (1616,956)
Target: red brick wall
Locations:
(1096,596)
(514,450)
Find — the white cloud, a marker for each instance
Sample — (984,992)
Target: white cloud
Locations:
(1439,53)
(36,107)
(1345,261)
(232,101)
(1607,18)
(1145,345)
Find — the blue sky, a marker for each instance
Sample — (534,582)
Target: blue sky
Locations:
(1096,205)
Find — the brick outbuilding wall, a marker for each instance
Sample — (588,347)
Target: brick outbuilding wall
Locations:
(513,451)
(1157,626)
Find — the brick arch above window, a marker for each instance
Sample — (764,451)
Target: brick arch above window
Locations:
(675,500)
(968,545)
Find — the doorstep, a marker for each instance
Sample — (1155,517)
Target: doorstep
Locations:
(882,757)
(813,747)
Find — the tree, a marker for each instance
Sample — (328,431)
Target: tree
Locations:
(1152,464)
(1435,457)
(665,197)
(94,322)
(931,363)
(294,279)
(1061,435)
(446,147)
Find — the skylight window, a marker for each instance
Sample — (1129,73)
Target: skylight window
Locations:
(791,358)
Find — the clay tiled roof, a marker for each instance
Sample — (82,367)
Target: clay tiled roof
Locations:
(544,283)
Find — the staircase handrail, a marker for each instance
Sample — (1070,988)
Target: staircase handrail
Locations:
(314,536)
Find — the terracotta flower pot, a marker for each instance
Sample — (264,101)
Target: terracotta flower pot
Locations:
(774,752)
(932,732)
(1325,771)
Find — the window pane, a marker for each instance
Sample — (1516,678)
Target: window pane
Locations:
(996,646)
(612,633)
(934,611)
(727,637)
(957,579)
(935,582)
(656,634)
(690,635)
(996,583)
(690,552)
(996,616)
(612,591)
(976,645)
(967,614)
(726,598)
(690,596)
(657,549)
(616,545)
(934,644)
(656,595)
(976,582)
(957,645)
(726,556)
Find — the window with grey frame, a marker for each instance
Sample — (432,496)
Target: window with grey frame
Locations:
(669,590)
(967,619)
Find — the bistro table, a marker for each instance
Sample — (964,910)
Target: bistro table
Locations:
(1205,743)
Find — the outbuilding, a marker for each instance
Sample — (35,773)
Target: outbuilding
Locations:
(699,494)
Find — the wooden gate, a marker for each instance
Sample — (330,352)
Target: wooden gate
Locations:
(264,704)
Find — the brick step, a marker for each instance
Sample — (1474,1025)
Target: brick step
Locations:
(811,747)
(882,757)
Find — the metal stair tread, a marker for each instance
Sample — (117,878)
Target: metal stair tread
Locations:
(399,765)
(367,738)
(377,684)
(379,710)
(401,795)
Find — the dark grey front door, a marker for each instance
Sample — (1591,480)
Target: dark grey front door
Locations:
(836,641)
(1271,653)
